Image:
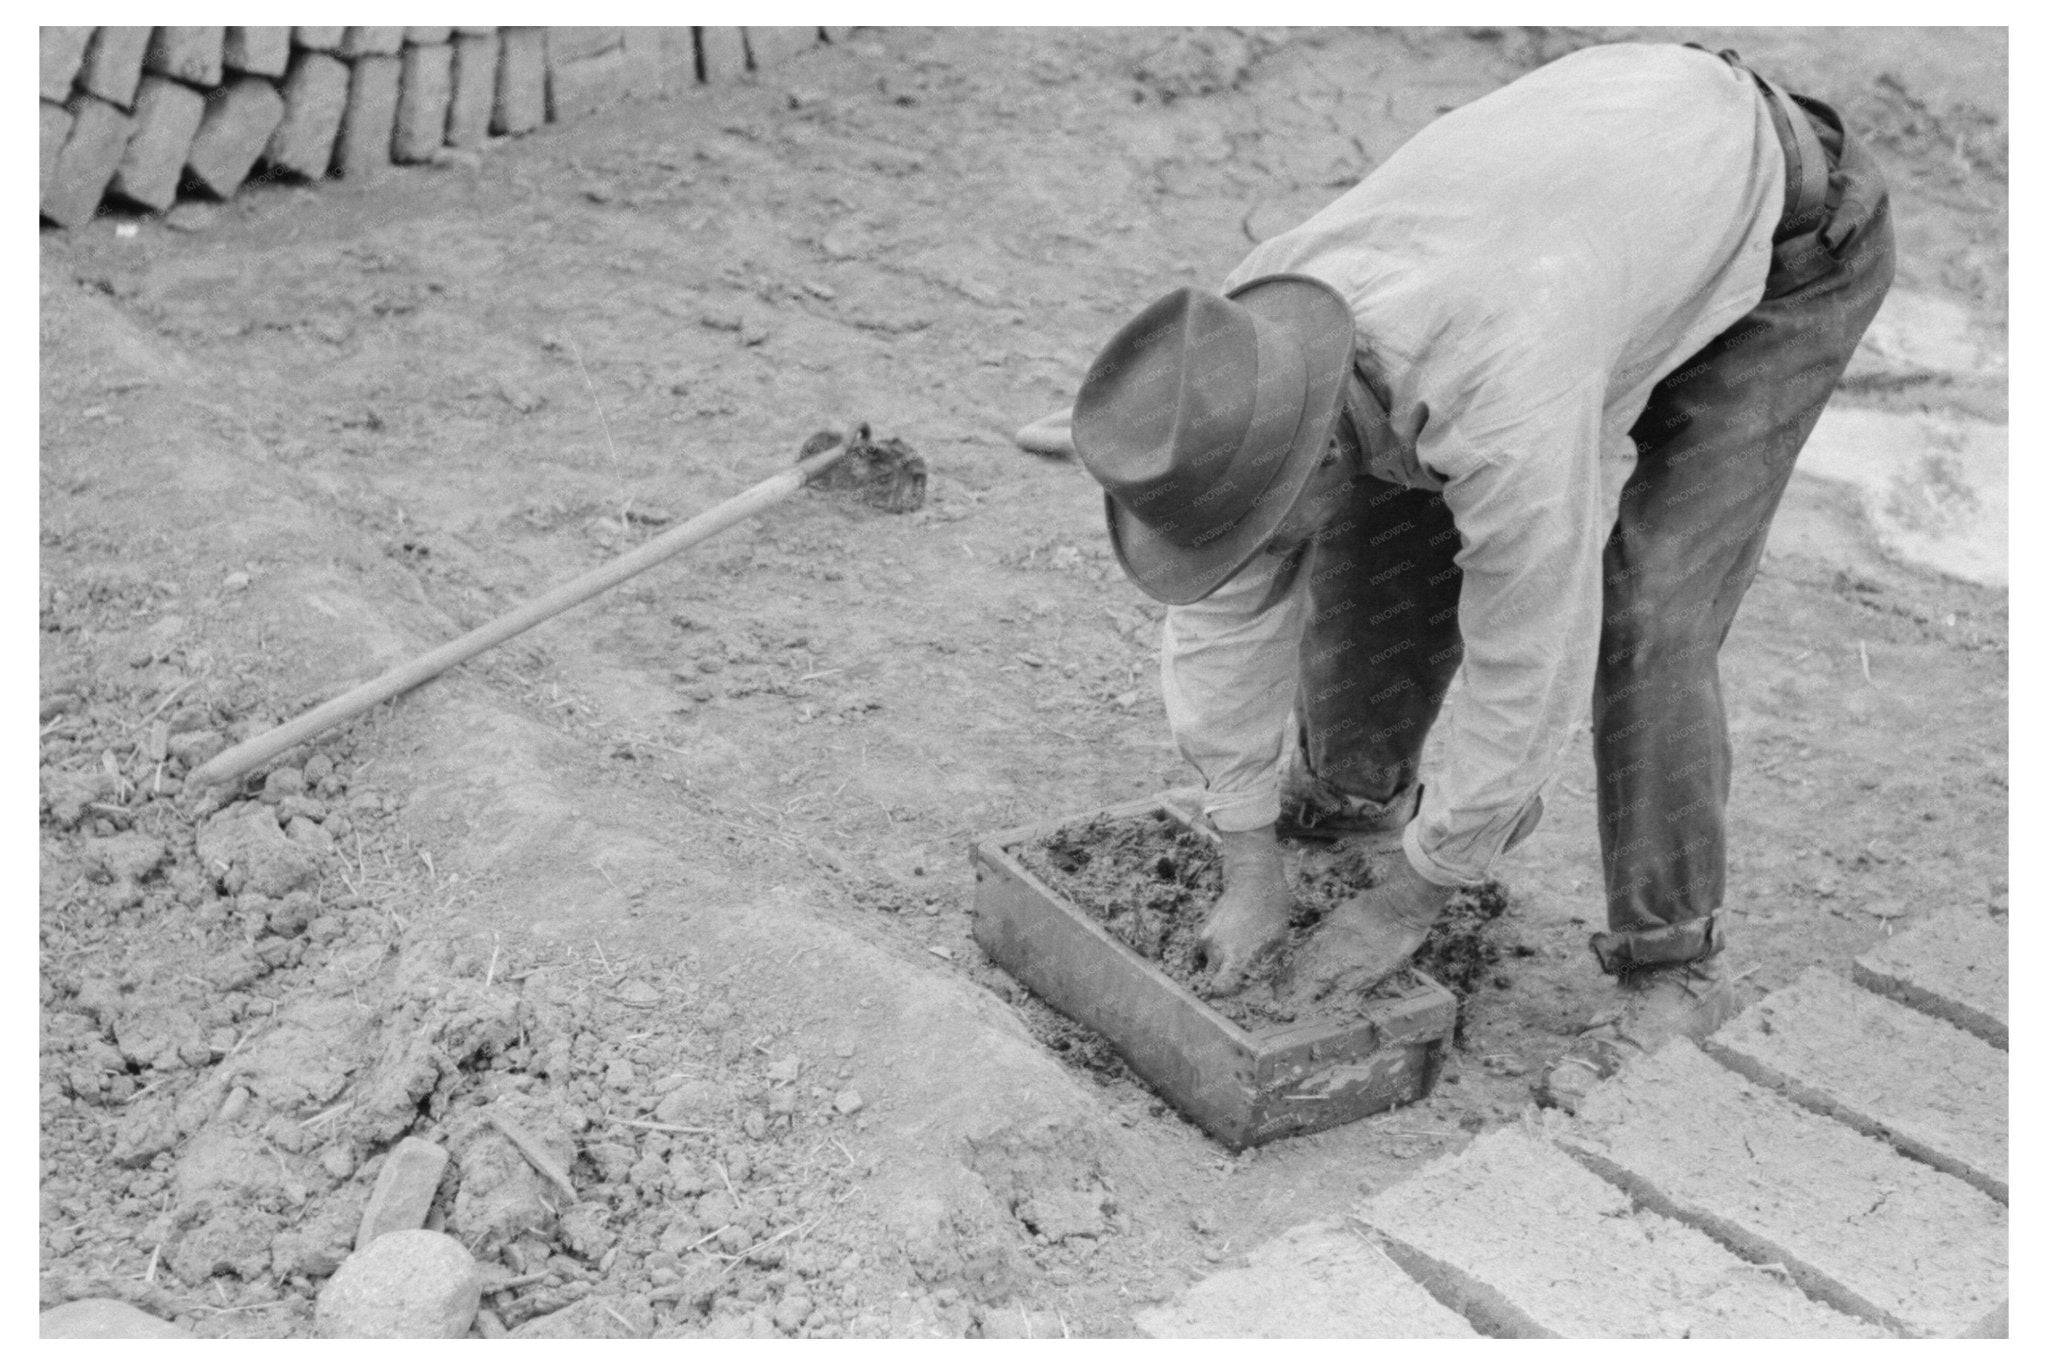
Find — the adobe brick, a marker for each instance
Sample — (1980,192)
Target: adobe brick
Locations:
(1953,966)
(240,118)
(62,49)
(167,115)
(1930,1089)
(56,127)
(473,84)
(1317,1280)
(113,63)
(92,151)
(364,146)
(520,103)
(191,55)
(1527,1243)
(315,98)
(724,54)
(423,88)
(1855,1224)
(372,42)
(265,51)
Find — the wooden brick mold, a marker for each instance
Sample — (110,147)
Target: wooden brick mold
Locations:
(1242,1087)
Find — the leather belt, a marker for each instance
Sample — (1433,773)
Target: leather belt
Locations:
(1797,245)
(1799,251)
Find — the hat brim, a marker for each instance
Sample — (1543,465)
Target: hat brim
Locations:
(1319,320)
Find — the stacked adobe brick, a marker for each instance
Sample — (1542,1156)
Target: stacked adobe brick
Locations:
(135,118)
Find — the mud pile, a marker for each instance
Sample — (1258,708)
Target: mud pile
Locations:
(240,1023)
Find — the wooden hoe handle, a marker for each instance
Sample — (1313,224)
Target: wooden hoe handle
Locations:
(232,764)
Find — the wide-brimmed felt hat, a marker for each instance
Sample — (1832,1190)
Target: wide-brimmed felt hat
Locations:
(1203,419)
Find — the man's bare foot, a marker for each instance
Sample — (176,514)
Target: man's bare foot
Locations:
(1369,937)
(1250,919)
(1652,1006)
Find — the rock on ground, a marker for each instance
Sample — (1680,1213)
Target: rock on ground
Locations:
(413,1283)
(404,1191)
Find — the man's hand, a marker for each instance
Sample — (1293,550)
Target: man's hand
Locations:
(1369,937)
(1250,917)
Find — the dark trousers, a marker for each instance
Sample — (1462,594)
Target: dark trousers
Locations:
(1716,444)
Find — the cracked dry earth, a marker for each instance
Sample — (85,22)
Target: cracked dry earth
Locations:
(676,885)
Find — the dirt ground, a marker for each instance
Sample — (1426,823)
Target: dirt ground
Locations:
(677,883)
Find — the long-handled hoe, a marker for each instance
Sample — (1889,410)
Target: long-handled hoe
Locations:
(886,473)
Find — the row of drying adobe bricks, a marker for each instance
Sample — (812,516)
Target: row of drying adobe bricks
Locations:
(1833,1162)
(137,115)
(1850,1139)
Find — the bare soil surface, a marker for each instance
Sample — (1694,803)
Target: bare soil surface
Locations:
(677,883)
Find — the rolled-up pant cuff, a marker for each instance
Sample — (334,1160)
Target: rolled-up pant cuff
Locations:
(1687,941)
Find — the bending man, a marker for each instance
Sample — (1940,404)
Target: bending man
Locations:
(1517,409)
